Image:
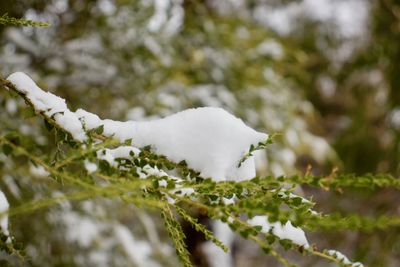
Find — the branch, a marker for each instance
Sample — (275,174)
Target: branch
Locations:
(6,20)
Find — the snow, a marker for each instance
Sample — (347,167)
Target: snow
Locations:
(90,166)
(11,106)
(107,7)
(216,256)
(82,230)
(289,195)
(210,140)
(286,156)
(12,186)
(394,118)
(121,152)
(320,150)
(229,201)
(340,256)
(287,231)
(38,171)
(160,15)
(154,171)
(271,48)
(283,19)
(168,16)
(162,183)
(139,252)
(183,191)
(3,209)
(49,104)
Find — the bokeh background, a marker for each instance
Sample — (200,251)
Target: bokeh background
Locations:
(323,73)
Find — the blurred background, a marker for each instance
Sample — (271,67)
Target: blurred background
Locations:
(323,73)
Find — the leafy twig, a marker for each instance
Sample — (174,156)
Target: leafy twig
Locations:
(7,20)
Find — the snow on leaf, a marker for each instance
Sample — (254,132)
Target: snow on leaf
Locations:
(287,231)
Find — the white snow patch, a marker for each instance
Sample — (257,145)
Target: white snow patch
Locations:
(394,118)
(216,256)
(229,201)
(89,120)
(210,140)
(160,15)
(12,186)
(271,48)
(348,23)
(287,231)
(82,230)
(162,183)
(289,195)
(90,167)
(155,171)
(168,16)
(38,171)
(183,191)
(122,152)
(287,156)
(49,104)
(107,7)
(11,106)
(320,149)
(341,257)
(3,210)
(139,252)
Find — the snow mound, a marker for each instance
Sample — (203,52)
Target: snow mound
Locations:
(210,140)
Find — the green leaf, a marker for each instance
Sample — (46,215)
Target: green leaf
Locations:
(176,233)
(127,142)
(7,149)
(99,130)
(6,20)
(297,201)
(48,125)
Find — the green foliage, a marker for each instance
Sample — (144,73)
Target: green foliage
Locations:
(10,21)
(201,228)
(259,146)
(270,196)
(357,123)
(10,246)
(176,233)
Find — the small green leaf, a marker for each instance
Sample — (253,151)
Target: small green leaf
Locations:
(99,130)
(7,149)
(213,197)
(48,125)
(297,201)
(127,142)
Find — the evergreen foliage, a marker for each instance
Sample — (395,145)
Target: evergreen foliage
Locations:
(271,196)
(219,54)
(11,21)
